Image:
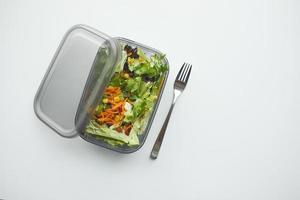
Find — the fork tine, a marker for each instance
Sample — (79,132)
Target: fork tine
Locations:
(180,72)
(185,72)
(188,74)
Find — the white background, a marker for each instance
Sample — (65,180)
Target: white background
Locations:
(234,133)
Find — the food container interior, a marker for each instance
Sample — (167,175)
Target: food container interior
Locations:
(87,115)
(75,80)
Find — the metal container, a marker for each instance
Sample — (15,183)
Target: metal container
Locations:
(75,80)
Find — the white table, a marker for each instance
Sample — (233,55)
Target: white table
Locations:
(234,134)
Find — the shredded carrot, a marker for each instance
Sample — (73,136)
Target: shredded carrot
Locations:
(115,113)
(127,129)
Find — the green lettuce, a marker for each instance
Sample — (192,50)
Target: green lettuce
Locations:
(143,66)
(95,129)
(120,65)
(140,124)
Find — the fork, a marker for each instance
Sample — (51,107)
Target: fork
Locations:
(179,85)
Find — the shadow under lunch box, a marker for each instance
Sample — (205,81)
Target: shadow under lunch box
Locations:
(76,79)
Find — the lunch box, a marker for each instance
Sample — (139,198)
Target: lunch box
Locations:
(75,80)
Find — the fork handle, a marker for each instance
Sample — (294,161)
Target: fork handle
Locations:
(160,137)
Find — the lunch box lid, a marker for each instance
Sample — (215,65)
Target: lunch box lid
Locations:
(77,75)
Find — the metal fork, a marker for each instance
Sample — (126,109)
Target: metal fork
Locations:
(179,85)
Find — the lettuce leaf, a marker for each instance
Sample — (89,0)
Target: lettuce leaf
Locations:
(136,87)
(120,65)
(95,129)
(140,124)
(144,66)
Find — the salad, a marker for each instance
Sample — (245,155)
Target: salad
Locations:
(128,99)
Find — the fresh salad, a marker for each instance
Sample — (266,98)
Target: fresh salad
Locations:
(128,100)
